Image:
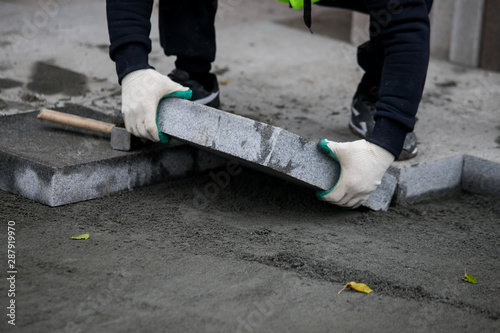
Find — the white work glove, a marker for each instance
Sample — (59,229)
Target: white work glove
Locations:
(142,90)
(362,166)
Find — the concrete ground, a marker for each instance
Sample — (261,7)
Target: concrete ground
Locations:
(258,255)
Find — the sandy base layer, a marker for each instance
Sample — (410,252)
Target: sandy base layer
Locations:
(251,253)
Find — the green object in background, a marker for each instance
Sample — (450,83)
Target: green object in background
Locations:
(296,4)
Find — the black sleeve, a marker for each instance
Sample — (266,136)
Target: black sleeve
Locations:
(129,27)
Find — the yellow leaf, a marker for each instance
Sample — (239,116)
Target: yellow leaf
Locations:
(361,287)
(469,278)
(84,236)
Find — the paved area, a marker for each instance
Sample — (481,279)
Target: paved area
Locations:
(256,254)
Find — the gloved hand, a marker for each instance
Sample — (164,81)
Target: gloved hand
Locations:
(142,90)
(362,166)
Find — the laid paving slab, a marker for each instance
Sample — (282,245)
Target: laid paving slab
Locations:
(260,146)
(481,176)
(421,180)
(56,165)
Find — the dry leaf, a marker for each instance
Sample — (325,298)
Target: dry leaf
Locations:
(469,278)
(84,236)
(361,287)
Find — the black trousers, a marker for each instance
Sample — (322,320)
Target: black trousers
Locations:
(396,59)
(371,54)
(187,31)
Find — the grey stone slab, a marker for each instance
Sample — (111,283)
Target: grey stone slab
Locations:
(481,176)
(466,34)
(420,180)
(57,165)
(382,198)
(257,145)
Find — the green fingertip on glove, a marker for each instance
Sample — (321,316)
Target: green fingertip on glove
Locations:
(186,94)
(323,147)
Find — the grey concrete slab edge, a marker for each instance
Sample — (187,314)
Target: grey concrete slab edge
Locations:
(465,172)
(480,176)
(56,186)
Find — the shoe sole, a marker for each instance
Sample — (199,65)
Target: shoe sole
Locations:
(213,97)
(357,131)
(406,155)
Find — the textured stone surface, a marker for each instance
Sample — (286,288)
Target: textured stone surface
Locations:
(382,197)
(481,176)
(420,180)
(57,165)
(257,145)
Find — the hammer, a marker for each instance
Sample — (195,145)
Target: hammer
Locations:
(120,138)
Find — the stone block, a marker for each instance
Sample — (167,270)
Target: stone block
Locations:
(382,197)
(418,181)
(57,165)
(481,176)
(260,146)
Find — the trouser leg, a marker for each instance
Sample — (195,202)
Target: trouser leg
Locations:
(370,55)
(396,59)
(187,31)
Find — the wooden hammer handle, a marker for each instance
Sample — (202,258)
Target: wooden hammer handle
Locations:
(75,121)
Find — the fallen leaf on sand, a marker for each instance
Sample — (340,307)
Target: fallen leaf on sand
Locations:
(469,278)
(84,236)
(361,287)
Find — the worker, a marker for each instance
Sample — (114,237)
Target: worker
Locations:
(384,107)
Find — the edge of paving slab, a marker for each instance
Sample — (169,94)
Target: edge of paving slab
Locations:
(466,172)
(56,186)
(481,176)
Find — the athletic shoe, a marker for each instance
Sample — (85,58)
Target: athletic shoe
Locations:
(362,121)
(205,87)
